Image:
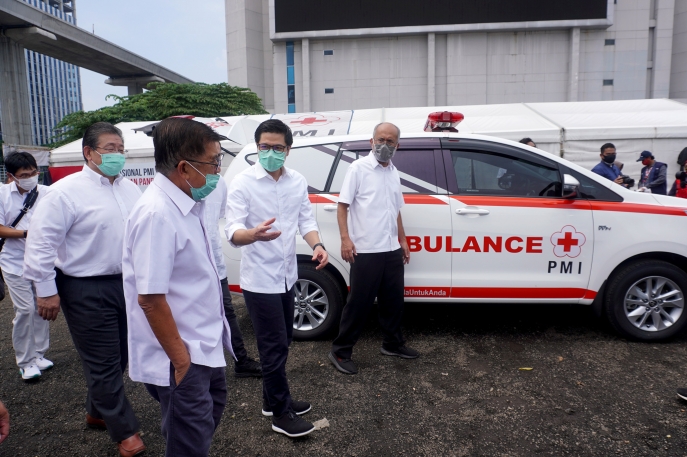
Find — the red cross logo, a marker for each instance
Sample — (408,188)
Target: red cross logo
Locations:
(568,242)
(305,120)
(308,121)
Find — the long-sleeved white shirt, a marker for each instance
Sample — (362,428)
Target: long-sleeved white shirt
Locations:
(79,228)
(167,251)
(269,267)
(11,204)
(215,206)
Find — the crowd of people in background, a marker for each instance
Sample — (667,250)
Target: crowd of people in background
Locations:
(162,305)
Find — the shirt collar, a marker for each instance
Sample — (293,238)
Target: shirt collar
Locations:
(375,162)
(98,178)
(13,187)
(178,196)
(260,172)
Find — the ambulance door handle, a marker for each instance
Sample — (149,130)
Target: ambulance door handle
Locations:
(478,211)
(330,207)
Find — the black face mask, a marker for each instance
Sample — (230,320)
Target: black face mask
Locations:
(609,158)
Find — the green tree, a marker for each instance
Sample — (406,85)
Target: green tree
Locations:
(161,101)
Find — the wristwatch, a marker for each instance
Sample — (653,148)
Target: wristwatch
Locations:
(26,232)
(319,244)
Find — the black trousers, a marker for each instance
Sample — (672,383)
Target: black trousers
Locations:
(380,275)
(191,411)
(95,312)
(272,316)
(236,336)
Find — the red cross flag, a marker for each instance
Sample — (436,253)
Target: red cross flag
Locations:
(568,242)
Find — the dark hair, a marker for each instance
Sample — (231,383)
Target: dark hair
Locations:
(92,134)
(607,146)
(18,160)
(274,126)
(526,140)
(176,139)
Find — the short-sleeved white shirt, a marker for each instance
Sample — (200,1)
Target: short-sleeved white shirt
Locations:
(375,198)
(167,251)
(11,204)
(269,267)
(215,205)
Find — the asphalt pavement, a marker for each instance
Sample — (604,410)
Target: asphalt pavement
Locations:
(492,381)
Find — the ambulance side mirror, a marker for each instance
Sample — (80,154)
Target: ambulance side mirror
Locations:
(571,186)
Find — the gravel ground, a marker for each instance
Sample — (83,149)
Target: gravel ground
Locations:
(589,393)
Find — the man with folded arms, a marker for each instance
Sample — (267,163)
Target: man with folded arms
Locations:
(173,292)
(74,258)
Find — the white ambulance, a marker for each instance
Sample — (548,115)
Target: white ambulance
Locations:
(493,221)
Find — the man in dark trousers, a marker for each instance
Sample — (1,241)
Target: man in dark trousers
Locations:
(653,174)
(371,193)
(74,258)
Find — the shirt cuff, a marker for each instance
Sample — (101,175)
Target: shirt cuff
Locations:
(230,233)
(46,288)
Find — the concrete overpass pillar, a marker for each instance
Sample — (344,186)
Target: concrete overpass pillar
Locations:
(14,93)
(134,84)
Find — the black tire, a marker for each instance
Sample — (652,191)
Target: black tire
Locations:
(334,298)
(619,289)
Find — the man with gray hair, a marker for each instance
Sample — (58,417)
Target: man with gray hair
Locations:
(172,288)
(74,258)
(374,243)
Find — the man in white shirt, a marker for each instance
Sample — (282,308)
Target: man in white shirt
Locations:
(215,208)
(30,333)
(267,205)
(74,259)
(173,292)
(371,192)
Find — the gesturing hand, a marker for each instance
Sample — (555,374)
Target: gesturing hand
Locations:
(321,256)
(260,233)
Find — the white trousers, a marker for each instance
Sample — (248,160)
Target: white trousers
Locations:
(30,334)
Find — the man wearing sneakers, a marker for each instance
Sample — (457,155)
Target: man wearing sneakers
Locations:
(267,205)
(215,206)
(370,225)
(30,333)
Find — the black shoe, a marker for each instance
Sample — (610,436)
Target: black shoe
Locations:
(682,393)
(291,425)
(248,369)
(298,407)
(403,352)
(343,365)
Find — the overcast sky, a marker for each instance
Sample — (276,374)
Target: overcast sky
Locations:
(185,36)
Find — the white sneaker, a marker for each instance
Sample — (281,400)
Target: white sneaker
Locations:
(43,363)
(30,372)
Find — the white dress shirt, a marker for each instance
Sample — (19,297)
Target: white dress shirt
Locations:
(79,228)
(269,267)
(375,198)
(167,251)
(215,206)
(11,204)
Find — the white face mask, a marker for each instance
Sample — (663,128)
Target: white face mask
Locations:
(27,183)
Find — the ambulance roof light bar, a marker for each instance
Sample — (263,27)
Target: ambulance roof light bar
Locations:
(443,121)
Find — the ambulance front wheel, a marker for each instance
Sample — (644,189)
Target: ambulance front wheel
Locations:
(318,303)
(646,300)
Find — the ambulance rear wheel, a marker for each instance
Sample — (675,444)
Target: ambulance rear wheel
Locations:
(646,300)
(318,303)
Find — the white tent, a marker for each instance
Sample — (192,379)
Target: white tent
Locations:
(573,130)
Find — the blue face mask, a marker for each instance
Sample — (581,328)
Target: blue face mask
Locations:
(210,185)
(112,164)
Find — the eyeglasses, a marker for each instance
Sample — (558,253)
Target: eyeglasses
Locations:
(217,164)
(113,151)
(276,147)
(390,143)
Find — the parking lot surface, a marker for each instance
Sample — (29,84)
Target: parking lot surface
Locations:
(586,392)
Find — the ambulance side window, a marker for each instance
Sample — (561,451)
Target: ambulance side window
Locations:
(490,173)
(592,190)
(347,158)
(313,162)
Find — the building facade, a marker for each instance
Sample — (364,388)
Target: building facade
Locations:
(309,55)
(54,85)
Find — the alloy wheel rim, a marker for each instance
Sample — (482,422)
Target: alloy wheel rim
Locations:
(653,303)
(311,306)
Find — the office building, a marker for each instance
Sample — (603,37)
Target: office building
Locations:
(310,55)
